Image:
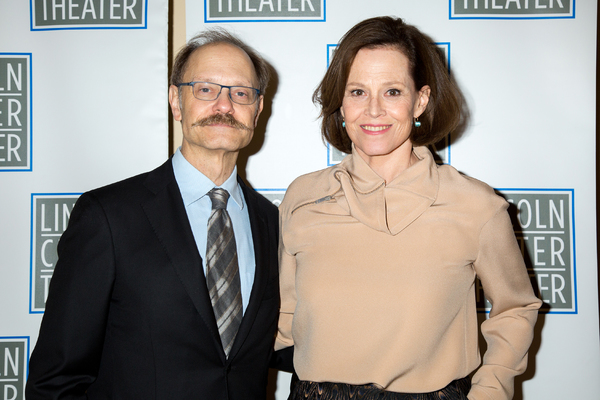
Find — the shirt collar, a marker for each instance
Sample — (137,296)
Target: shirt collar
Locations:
(194,185)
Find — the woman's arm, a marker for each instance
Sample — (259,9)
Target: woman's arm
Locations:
(509,329)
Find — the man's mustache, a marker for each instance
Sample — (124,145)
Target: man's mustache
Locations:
(225,119)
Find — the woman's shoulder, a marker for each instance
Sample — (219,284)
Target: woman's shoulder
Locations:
(474,192)
(310,187)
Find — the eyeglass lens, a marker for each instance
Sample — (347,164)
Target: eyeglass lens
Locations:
(238,94)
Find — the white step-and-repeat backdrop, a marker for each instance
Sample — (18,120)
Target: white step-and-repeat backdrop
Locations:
(528,71)
(83,103)
(83,88)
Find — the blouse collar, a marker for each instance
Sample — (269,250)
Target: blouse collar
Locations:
(391,207)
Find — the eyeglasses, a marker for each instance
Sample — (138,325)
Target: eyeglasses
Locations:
(208,91)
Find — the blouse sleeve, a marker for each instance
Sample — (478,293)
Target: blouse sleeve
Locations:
(287,281)
(509,329)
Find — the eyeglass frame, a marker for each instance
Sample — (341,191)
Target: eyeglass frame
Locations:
(179,85)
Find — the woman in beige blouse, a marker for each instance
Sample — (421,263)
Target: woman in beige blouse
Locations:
(379,254)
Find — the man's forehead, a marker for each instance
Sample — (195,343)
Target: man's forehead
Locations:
(221,60)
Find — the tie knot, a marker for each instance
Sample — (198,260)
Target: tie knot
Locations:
(218,197)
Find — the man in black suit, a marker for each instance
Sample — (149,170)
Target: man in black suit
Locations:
(129,314)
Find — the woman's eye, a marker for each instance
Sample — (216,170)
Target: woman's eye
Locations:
(393,92)
(357,92)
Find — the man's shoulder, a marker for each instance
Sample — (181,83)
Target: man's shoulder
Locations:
(257,202)
(135,186)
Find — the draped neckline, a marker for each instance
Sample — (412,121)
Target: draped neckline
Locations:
(391,207)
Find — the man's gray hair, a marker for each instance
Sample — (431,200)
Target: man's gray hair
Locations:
(215,36)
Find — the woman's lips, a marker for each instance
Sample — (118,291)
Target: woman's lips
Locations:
(375,129)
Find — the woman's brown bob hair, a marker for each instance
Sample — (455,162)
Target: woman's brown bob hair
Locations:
(443,112)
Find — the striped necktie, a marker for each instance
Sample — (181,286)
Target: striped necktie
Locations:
(223,275)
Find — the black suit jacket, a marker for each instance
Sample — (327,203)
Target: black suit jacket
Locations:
(128,314)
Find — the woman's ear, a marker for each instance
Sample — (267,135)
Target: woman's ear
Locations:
(422,100)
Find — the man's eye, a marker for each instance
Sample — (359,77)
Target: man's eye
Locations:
(204,88)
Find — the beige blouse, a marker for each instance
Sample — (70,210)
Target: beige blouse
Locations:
(378,281)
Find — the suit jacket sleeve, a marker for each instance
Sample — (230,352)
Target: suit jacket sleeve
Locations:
(68,351)
(287,273)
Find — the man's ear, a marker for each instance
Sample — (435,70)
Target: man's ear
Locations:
(174,102)
(259,109)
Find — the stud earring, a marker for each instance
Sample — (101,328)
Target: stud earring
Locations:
(343,124)
(417,123)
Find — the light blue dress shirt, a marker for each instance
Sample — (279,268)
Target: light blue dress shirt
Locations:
(194,187)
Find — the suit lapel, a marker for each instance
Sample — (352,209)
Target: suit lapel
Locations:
(260,235)
(166,213)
